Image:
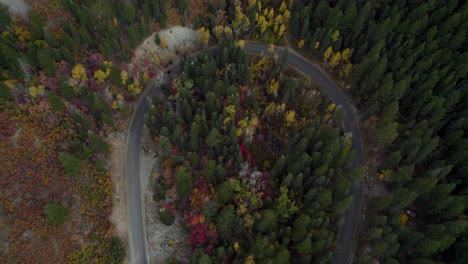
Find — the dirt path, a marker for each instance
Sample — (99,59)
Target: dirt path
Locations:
(119,208)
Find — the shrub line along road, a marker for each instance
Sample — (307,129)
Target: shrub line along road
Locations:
(135,206)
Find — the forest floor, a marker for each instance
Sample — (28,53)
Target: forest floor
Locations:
(176,39)
(16,6)
(119,216)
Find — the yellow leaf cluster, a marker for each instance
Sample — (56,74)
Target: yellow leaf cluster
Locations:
(203,35)
(124,76)
(317,45)
(246,126)
(335,35)
(36,91)
(235,245)
(273,88)
(335,59)
(249,260)
(346,54)
(40,43)
(241,21)
(327,54)
(385,175)
(331,107)
(290,118)
(101,75)
(231,112)
(146,77)
(134,88)
(156,59)
(220,30)
(108,64)
(402,219)
(240,43)
(271,48)
(79,73)
(22,33)
(163,43)
(10,84)
(300,43)
(275,24)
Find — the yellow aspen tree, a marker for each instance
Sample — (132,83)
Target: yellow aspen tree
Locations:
(335,59)
(262,23)
(124,77)
(33,91)
(41,90)
(156,59)
(146,77)
(327,54)
(336,35)
(317,45)
(290,118)
(281,30)
(240,43)
(300,43)
(218,30)
(331,107)
(348,68)
(100,76)
(273,88)
(271,14)
(79,73)
(287,14)
(203,35)
(283,7)
(271,48)
(163,43)
(346,54)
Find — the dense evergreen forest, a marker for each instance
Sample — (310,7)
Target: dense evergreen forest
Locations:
(254,158)
(66,84)
(409,80)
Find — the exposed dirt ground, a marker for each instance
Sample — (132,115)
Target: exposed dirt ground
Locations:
(177,38)
(17,6)
(119,216)
(163,241)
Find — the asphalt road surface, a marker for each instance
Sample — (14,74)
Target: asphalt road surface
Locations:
(350,219)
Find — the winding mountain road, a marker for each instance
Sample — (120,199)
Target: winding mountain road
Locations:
(351,218)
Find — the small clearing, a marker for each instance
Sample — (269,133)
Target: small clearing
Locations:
(16,6)
(150,55)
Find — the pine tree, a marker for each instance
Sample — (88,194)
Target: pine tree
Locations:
(71,165)
(184,182)
(55,102)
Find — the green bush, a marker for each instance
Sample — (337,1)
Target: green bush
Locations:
(55,214)
(172,260)
(166,216)
(116,250)
(204,259)
(71,165)
(224,193)
(157,40)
